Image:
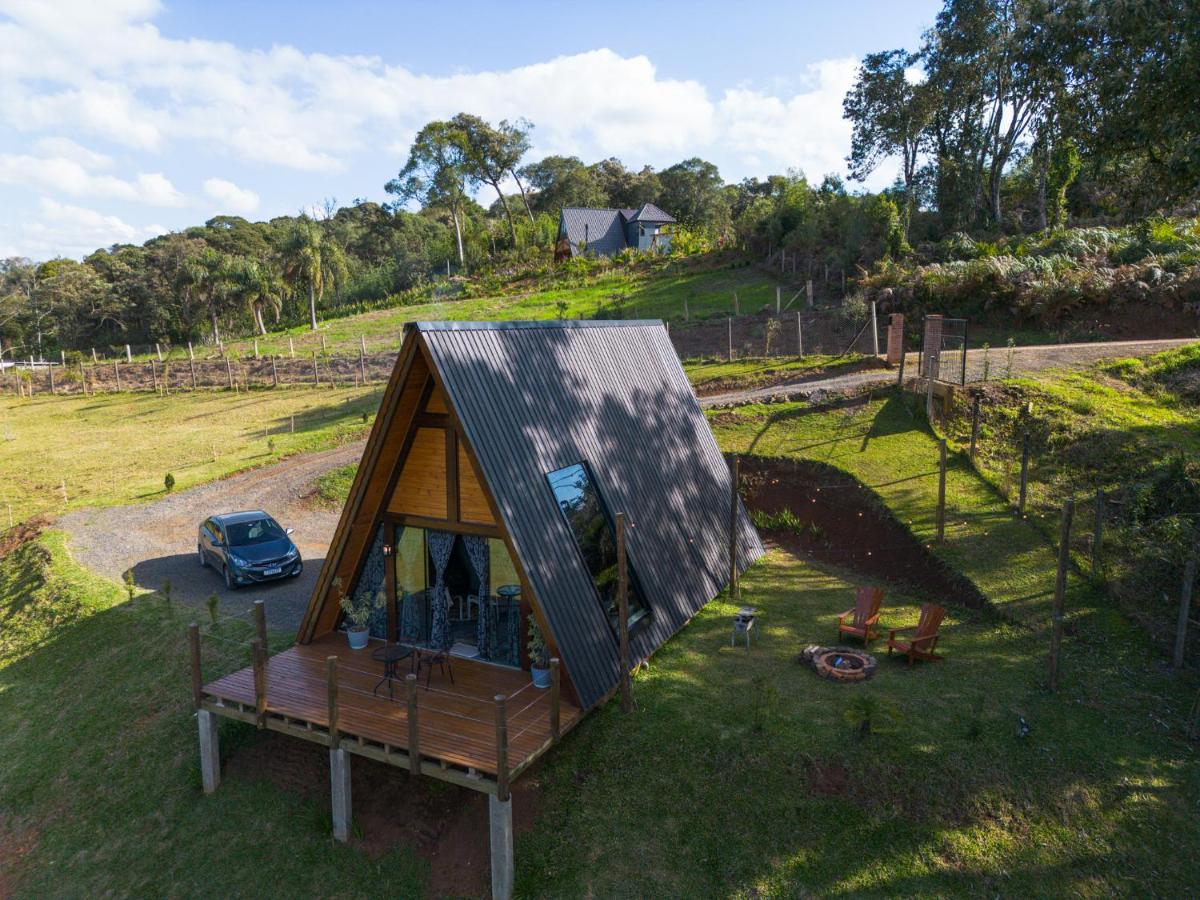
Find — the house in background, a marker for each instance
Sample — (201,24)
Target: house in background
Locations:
(604,232)
(487,500)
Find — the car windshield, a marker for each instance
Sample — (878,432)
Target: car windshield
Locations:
(256,531)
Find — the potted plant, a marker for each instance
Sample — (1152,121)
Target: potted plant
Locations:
(539,656)
(358,613)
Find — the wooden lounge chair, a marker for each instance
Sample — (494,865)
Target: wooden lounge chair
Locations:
(925,635)
(864,617)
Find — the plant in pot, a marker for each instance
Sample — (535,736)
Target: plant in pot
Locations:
(539,656)
(358,611)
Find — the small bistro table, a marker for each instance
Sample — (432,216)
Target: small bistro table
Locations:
(391,655)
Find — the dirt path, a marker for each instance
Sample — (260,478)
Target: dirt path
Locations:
(1026,360)
(158,540)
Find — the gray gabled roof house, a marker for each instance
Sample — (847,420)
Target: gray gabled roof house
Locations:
(604,232)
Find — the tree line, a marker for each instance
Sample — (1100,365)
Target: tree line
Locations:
(1019,115)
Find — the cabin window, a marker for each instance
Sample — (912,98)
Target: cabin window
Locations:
(590,522)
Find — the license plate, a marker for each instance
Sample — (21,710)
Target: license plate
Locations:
(273,571)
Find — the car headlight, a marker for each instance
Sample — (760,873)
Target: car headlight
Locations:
(292,554)
(237,560)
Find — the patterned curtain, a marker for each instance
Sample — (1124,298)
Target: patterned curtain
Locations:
(477,552)
(371,582)
(441,543)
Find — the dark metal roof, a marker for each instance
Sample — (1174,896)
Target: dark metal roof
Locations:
(648,213)
(598,231)
(534,397)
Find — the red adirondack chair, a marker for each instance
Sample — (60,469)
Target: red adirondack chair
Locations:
(864,617)
(925,635)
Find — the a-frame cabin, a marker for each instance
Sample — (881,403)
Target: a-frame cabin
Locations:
(487,498)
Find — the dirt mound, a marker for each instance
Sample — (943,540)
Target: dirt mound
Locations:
(21,533)
(822,512)
(446,825)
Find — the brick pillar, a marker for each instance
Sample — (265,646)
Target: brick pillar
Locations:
(933,346)
(895,339)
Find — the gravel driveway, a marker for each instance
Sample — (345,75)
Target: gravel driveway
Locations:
(157,541)
(1026,360)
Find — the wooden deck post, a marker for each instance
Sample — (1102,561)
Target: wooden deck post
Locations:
(500,812)
(339,781)
(941,501)
(623,615)
(210,755)
(260,621)
(197,680)
(258,655)
(555,701)
(1060,590)
(501,748)
(414,733)
(1185,605)
(331,688)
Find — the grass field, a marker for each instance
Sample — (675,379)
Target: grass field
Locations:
(118,448)
(635,294)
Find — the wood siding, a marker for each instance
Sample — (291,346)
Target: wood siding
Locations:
(472,501)
(421,489)
(436,402)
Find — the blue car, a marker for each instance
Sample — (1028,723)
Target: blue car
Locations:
(248,548)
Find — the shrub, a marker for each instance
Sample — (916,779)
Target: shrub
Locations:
(169,482)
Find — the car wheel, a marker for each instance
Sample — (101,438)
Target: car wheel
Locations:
(203,558)
(229,582)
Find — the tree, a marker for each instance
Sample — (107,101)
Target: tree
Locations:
(889,114)
(436,174)
(692,191)
(312,261)
(490,154)
(257,284)
(563,181)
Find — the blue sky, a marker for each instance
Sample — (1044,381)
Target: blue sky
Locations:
(127,118)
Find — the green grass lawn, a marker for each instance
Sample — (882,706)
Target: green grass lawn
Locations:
(118,448)
(714,376)
(636,294)
(738,775)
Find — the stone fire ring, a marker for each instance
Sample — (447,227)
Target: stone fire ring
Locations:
(844,664)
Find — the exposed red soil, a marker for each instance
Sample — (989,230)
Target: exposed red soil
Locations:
(446,825)
(21,533)
(843,523)
(827,779)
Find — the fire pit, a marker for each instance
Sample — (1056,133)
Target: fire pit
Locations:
(839,663)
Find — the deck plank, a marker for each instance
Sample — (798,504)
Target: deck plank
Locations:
(456,721)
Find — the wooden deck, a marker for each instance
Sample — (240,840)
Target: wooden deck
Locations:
(456,722)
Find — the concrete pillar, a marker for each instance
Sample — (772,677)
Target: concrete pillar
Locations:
(210,754)
(501,832)
(895,339)
(339,776)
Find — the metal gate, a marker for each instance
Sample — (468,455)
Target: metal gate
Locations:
(944,352)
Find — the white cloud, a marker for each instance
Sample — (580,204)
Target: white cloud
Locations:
(233,199)
(62,175)
(61,229)
(65,148)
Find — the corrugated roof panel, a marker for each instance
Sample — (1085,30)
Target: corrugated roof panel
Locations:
(535,397)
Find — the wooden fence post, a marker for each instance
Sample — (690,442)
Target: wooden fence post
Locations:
(291,348)
(154,376)
(197,680)
(50,371)
(191,354)
(192,367)
(729,337)
(117,371)
(128,354)
(158,350)
(1060,590)
(414,732)
(1024,489)
(229,372)
(900,374)
(331,689)
(874,322)
(258,654)
(1098,535)
(799,336)
(1185,605)
(362,360)
(941,501)
(501,749)
(555,698)
(256,348)
(274,372)
(974,425)
(316,373)
(735,588)
(623,615)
